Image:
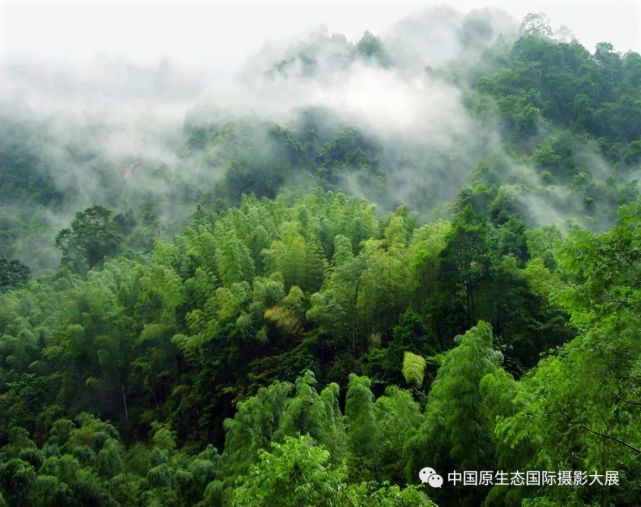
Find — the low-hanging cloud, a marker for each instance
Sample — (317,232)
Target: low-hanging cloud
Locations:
(110,132)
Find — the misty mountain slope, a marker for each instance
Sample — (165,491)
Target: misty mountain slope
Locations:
(361,258)
(384,118)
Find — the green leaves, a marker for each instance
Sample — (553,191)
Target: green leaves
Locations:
(542,79)
(606,269)
(170,346)
(294,473)
(12,274)
(456,434)
(92,237)
(413,369)
(360,420)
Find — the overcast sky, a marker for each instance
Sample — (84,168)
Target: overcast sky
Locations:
(220,34)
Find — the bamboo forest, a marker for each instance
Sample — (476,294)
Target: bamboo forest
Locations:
(397,270)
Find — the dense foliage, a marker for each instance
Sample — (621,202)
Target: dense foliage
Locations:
(302,347)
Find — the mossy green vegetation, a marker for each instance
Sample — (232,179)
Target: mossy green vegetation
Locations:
(298,345)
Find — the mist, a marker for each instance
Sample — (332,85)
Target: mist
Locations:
(171,136)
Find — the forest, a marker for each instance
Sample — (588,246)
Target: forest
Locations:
(309,309)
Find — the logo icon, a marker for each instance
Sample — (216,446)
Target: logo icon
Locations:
(428,475)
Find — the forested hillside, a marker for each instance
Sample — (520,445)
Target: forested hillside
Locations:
(308,304)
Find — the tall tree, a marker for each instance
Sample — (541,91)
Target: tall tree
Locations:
(91,238)
(456,434)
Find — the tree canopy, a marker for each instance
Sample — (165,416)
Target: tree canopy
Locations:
(290,342)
